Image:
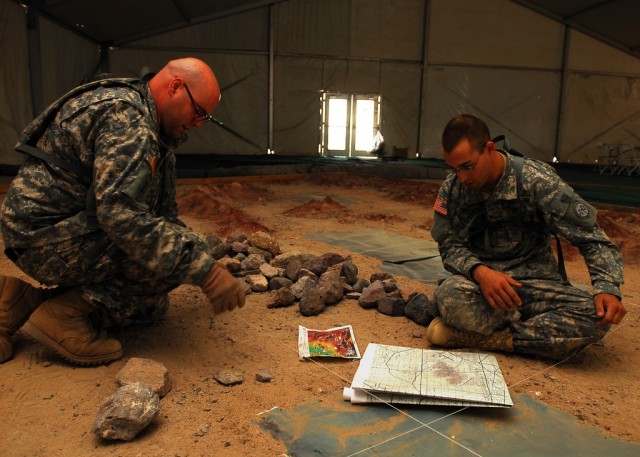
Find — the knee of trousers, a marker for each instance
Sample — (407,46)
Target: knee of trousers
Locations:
(456,298)
(462,305)
(453,290)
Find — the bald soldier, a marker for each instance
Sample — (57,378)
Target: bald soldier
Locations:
(492,220)
(92,214)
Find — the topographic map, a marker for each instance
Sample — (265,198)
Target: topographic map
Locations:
(394,374)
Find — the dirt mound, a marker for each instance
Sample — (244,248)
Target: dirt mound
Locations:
(624,229)
(200,202)
(612,228)
(398,190)
(321,209)
(242,193)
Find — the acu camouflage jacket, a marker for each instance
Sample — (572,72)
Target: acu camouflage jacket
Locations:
(129,193)
(509,229)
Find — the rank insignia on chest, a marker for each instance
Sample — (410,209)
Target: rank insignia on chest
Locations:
(440,206)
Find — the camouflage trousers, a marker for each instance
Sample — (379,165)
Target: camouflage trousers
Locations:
(555,320)
(123,292)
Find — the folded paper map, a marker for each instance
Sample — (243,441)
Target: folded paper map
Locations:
(395,374)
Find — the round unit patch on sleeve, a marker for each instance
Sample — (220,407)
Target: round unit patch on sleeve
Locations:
(581,209)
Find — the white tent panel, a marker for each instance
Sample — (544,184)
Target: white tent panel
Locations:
(357,28)
(296,129)
(15,94)
(381,31)
(312,27)
(588,54)
(62,69)
(601,109)
(520,104)
(495,32)
(400,90)
(247,31)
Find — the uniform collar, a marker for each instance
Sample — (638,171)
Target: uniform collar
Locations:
(507,187)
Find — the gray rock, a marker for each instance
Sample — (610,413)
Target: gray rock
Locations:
(281,298)
(252,262)
(350,272)
(371,295)
(302,285)
(212,240)
(236,238)
(264,241)
(229,377)
(312,302)
(307,273)
(421,309)
(391,306)
(270,272)
(360,285)
(216,248)
(239,247)
(258,283)
(278,282)
(265,254)
(231,264)
(264,376)
(127,412)
(389,285)
(292,269)
(282,260)
(320,264)
(330,282)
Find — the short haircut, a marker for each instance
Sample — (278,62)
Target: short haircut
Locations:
(465,126)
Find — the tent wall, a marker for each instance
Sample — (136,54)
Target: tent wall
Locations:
(15,94)
(553,91)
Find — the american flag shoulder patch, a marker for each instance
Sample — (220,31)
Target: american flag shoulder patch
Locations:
(440,206)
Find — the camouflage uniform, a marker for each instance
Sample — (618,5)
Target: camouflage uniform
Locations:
(509,231)
(114,234)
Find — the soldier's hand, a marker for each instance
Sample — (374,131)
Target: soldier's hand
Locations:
(609,309)
(223,290)
(498,288)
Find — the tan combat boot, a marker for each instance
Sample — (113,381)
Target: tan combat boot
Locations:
(18,299)
(440,334)
(62,324)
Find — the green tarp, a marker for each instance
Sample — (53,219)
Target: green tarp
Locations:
(338,428)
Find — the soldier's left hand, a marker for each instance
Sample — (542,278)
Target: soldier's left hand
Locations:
(609,309)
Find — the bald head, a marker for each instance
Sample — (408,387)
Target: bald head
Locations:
(182,90)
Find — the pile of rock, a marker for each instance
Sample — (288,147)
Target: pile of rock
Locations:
(313,281)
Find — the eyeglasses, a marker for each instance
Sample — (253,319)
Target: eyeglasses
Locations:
(468,168)
(201,116)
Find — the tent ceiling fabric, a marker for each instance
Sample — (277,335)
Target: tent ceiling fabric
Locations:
(613,21)
(117,22)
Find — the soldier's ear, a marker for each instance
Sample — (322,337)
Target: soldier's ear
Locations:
(174,85)
(489,146)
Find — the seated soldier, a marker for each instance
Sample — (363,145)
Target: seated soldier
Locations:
(492,220)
